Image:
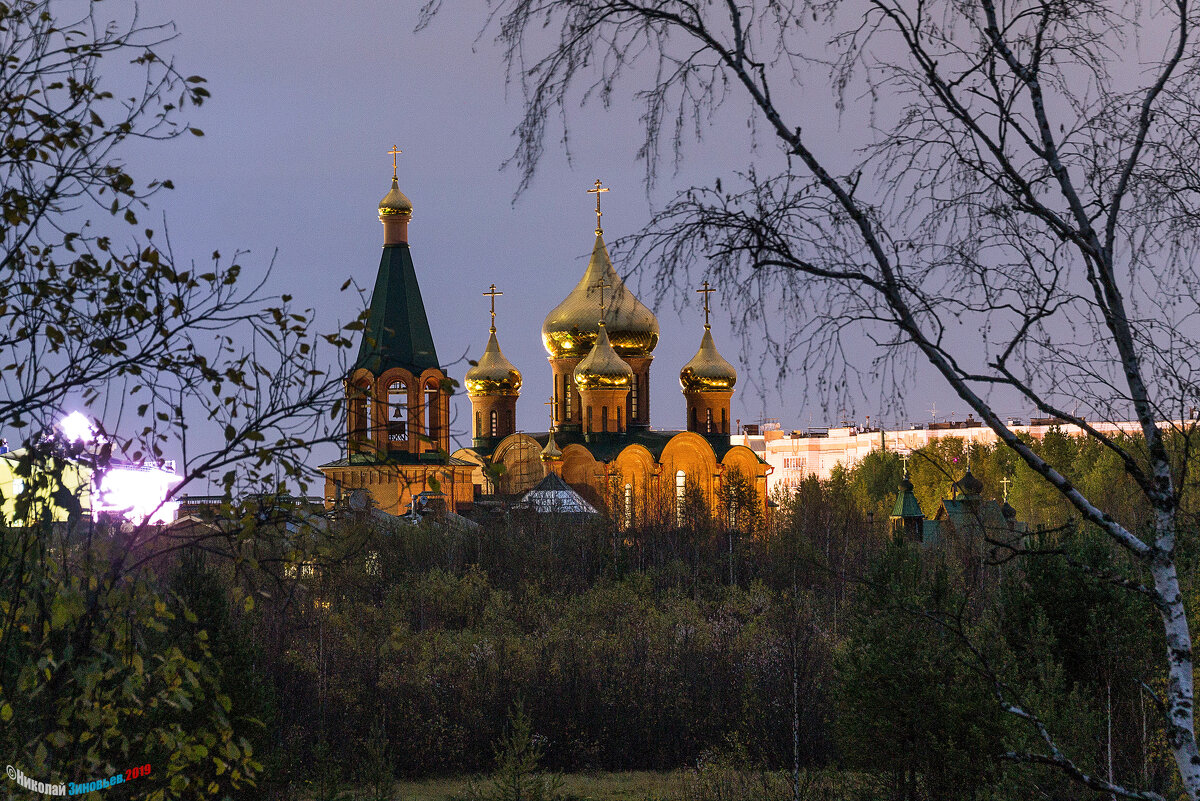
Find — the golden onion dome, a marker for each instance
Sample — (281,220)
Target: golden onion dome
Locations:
(395,202)
(570,328)
(603,368)
(551,453)
(708,371)
(493,374)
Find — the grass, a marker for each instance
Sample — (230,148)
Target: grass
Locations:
(625,786)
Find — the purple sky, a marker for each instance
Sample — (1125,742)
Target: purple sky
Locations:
(307,99)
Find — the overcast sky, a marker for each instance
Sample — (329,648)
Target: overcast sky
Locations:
(307,99)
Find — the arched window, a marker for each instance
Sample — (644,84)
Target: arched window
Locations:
(360,413)
(724,421)
(495,424)
(397,401)
(589,420)
(680,492)
(431,411)
(695,423)
(567,398)
(478,424)
(628,506)
(708,421)
(604,419)
(633,398)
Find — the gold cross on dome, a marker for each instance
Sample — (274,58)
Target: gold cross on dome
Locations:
(601,285)
(599,187)
(550,403)
(904,459)
(1006,481)
(395,151)
(706,291)
(493,294)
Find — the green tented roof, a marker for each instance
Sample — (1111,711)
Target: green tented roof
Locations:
(397,329)
(907,506)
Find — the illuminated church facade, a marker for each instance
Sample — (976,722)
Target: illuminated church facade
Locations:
(600,341)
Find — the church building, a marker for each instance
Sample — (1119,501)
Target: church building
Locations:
(600,341)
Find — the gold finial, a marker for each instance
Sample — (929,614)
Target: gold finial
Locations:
(706,291)
(601,285)
(596,191)
(493,294)
(395,151)
(550,403)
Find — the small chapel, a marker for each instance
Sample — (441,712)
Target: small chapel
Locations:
(600,341)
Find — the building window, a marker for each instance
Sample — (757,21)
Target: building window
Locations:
(724,421)
(633,398)
(628,506)
(495,424)
(397,399)
(360,413)
(567,399)
(604,419)
(589,420)
(478,424)
(680,492)
(708,421)
(431,411)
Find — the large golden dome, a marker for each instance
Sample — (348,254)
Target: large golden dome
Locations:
(603,368)
(493,374)
(570,328)
(708,371)
(395,202)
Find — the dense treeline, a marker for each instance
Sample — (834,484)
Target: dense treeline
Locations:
(362,647)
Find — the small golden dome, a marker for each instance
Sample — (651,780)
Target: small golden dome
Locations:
(603,368)
(551,452)
(570,328)
(708,371)
(493,374)
(395,202)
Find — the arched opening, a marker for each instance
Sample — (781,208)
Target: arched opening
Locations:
(680,495)
(397,402)
(589,420)
(495,424)
(360,415)
(708,421)
(724,421)
(604,419)
(432,420)
(478,424)
(633,398)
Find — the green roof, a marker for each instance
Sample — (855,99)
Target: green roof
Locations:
(906,505)
(397,329)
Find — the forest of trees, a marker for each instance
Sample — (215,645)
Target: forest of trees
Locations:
(357,647)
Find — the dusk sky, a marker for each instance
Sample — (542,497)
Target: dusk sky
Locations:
(307,100)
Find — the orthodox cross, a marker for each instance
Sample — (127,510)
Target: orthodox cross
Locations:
(933,411)
(601,285)
(395,151)
(493,294)
(904,459)
(599,188)
(550,403)
(1006,481)
(706,291)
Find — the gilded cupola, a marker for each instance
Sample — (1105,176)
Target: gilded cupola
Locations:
(602,368)
(570,328)
(493,374)
(708,371)
(395,202)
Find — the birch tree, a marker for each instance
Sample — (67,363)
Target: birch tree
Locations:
(1028,169)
